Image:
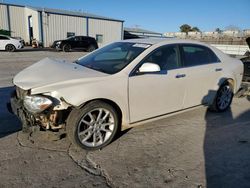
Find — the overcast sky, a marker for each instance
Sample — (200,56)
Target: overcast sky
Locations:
(159,15)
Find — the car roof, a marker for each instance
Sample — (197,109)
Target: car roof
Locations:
(82,36)
(153,41)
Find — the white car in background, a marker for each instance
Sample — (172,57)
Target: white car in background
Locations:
(124,84)
(10,44)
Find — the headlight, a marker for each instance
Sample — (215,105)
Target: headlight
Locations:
(58,43)
(36,104)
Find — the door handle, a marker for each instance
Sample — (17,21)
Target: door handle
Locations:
(218,69)
(180,76)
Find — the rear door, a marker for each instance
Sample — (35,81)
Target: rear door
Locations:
(85,42)
(203,71)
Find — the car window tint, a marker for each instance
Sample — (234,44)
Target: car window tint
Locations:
(77,38)
(114,57)
(114,54)
(166,57)
(4,38)
(87,38)
(198,55)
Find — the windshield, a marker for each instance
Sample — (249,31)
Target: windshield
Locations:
(113,58)
(70,38)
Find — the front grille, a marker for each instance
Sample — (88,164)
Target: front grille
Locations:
(21,93)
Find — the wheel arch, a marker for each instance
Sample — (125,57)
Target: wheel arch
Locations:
(110,102)
(230,81)
(11,45)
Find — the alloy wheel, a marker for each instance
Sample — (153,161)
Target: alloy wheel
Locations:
(224,97)
(95,127)
(10,48)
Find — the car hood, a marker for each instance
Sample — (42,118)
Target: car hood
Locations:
(57,41)
(49,71)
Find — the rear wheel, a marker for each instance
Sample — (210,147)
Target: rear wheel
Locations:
(94,126)
(223,98)
(91,48)
(10,48)
(66,47)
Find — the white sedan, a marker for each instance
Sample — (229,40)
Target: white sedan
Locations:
(124,84)
(10,44)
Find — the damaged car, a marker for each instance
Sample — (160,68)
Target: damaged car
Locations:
(122,85)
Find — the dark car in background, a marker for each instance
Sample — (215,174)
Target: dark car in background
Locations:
(76,42)
(246,62)
(246,76)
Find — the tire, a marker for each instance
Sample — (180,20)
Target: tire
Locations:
(66,48)
(223,98)
(247,53)
(93,126)
(10,48)
(91,48)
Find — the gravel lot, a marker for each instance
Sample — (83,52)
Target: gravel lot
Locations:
(193,149)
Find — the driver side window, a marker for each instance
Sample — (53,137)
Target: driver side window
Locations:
(166,57)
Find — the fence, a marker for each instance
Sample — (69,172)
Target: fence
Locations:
(232,49)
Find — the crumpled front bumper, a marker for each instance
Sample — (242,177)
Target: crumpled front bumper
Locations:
(48,119)
(16,107)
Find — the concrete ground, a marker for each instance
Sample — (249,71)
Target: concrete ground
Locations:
(193,149)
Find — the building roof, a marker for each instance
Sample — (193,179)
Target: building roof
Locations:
(65,12)
(73,13)
(139,30)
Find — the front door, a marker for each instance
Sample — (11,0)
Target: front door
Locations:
(155,94)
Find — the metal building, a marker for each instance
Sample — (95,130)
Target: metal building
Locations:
(47,25)
(142,33)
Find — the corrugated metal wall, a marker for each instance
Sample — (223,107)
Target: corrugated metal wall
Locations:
(35,22)
(17,21)
(111,30)
(3,17)
(55,27)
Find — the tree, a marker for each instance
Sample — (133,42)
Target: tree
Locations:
(218,30)
(185,28)
(195,29)
(4,32)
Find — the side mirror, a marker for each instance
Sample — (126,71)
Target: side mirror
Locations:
(149,68)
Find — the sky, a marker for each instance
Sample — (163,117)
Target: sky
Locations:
(159,15)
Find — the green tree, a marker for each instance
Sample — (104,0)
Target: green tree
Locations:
(4,32)
(218,30)
(195,29)
(185,28)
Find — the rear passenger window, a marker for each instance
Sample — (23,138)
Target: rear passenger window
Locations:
(78,38)
(166,57)
(198,55)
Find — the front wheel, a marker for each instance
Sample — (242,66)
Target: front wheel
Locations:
(223,98)
(10,48)
(66,48)
(94,126)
